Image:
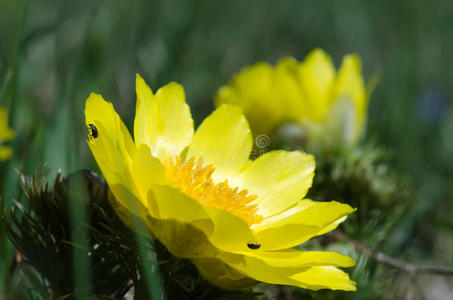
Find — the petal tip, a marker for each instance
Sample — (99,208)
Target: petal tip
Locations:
(92,104)
(350,262)
(353,61)
(94,97)
(230,109)
(141,87)
(172,89)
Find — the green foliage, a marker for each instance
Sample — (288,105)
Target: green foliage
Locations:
(362,178)
(41,233)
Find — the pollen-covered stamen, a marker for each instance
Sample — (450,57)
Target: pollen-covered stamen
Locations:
(195,180)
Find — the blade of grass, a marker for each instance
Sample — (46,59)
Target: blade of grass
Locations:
(8,92)
(149,267)
(81,254)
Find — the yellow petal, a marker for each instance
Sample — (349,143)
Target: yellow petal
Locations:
(127,204)
(248,88)
(170,203)
(231,233)
(182,239)
(287,93)
(5,152)
(223,140)
(295,259)
(278,178)
(223,230)
(162,121)
(105,126)
(316,74)
(325,277)
(300,223)
(221,274)
(99,110)
(314,278)
(349,85)
(332,226)
(116,171)
(180,223)
(341,124)
(111,145)
(147,169)
(6,133)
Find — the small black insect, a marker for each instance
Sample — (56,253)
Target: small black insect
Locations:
(93,131)
(253,246)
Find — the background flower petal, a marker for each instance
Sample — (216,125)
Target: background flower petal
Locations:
(349,85)
(316,76)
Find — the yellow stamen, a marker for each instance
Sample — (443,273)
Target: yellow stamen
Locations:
(195,180)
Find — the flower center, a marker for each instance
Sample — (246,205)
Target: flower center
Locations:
(195,180)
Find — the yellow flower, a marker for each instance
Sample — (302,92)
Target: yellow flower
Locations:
(6,134)
(330,106)
(204,199)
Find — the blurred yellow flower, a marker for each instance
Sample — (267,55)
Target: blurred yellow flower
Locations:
(330,106)
(6,134)
(204,199)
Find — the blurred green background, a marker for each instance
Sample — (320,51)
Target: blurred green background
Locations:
(54,53)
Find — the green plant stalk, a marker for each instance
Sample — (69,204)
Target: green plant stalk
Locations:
(9,85)
(81,255)
(149,267)
(4,251)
